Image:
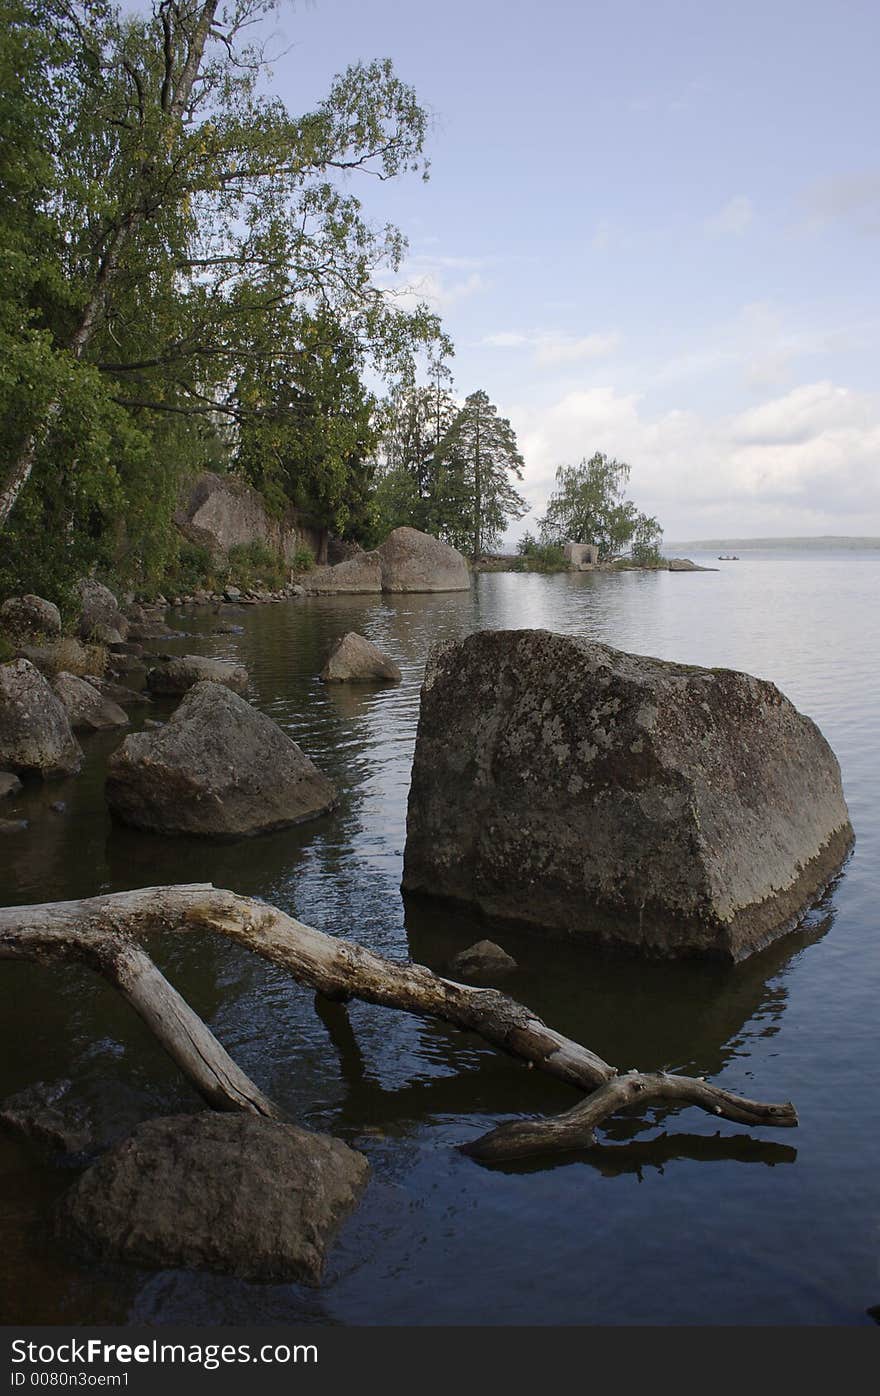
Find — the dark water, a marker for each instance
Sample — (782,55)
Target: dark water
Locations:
(669,1221)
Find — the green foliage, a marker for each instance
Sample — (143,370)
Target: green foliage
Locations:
(481,455)
(448,470)
(303,560)
(255,565)
(588,506)
(541,557)
(189,280)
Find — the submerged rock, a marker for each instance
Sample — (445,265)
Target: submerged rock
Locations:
(179,675)
(35,733)
(218,768)
(88,709)
(231,1193)
(49,1113)
(482,963)
(118,692)
(666,808)
(9,784)
(354,659)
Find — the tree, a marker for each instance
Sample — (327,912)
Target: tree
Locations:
(588,506)
(176,235)
(479,454)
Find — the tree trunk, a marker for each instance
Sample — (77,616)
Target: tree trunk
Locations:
(96,930)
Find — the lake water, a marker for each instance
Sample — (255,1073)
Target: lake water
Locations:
(671,1220)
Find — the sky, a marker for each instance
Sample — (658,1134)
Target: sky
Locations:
(652,229)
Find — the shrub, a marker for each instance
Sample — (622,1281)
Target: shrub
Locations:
(303,560)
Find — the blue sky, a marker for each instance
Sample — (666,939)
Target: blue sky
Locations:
(651,229)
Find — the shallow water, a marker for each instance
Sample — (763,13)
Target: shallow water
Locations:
(670,1221)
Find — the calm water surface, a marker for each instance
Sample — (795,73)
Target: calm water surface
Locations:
(669,1221)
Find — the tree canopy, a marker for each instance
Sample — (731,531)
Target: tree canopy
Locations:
(589,506)
(188,275)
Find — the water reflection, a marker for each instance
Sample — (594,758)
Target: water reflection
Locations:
(792,1021)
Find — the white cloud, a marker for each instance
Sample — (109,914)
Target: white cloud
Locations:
(439,281)
(733,219)
(555,347)
(808,459)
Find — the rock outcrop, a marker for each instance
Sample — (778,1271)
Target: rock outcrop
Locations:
(231,1193)
(414,561)
(669,809)
(30,615)
(100,620)
(88,710)
(407,561)
(35,733)
(118,692)
(222,512)
(354,659)
(181,674)
(361,574)
(218,768)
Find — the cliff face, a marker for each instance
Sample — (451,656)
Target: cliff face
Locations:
(222,512)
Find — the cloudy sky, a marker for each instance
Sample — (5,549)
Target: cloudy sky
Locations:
(652,228)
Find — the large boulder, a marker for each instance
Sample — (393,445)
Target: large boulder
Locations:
(359,574)
(35,733)
(30,615)
(414,561)
(670,809)
(179,675)
(221,512)
(355,660)
(100,619)
(224,1192)
(88,709)
(218,768)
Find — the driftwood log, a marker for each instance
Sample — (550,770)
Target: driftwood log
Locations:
(105,933)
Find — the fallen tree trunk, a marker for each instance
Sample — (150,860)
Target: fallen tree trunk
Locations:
(341,969)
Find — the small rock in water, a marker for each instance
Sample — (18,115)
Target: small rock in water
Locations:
(232,1193)
(482,963)
(58,807)
(13,826)
(355,660)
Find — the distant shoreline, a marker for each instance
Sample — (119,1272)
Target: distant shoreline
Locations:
(817,543)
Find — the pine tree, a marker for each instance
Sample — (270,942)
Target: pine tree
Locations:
(480,452)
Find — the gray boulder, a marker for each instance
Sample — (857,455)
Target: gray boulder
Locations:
(218,768)
(355,660)
(231,1193)
(179,675)
(30,615)
(35,733)
(87,708)
(359,574)
(9,784)
(414,561)
(482,963)
(100,620)
(684,564)
(13,826)
(666,808)
(118,692)
(50,1114)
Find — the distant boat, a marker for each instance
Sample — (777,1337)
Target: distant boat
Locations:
(728,557)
